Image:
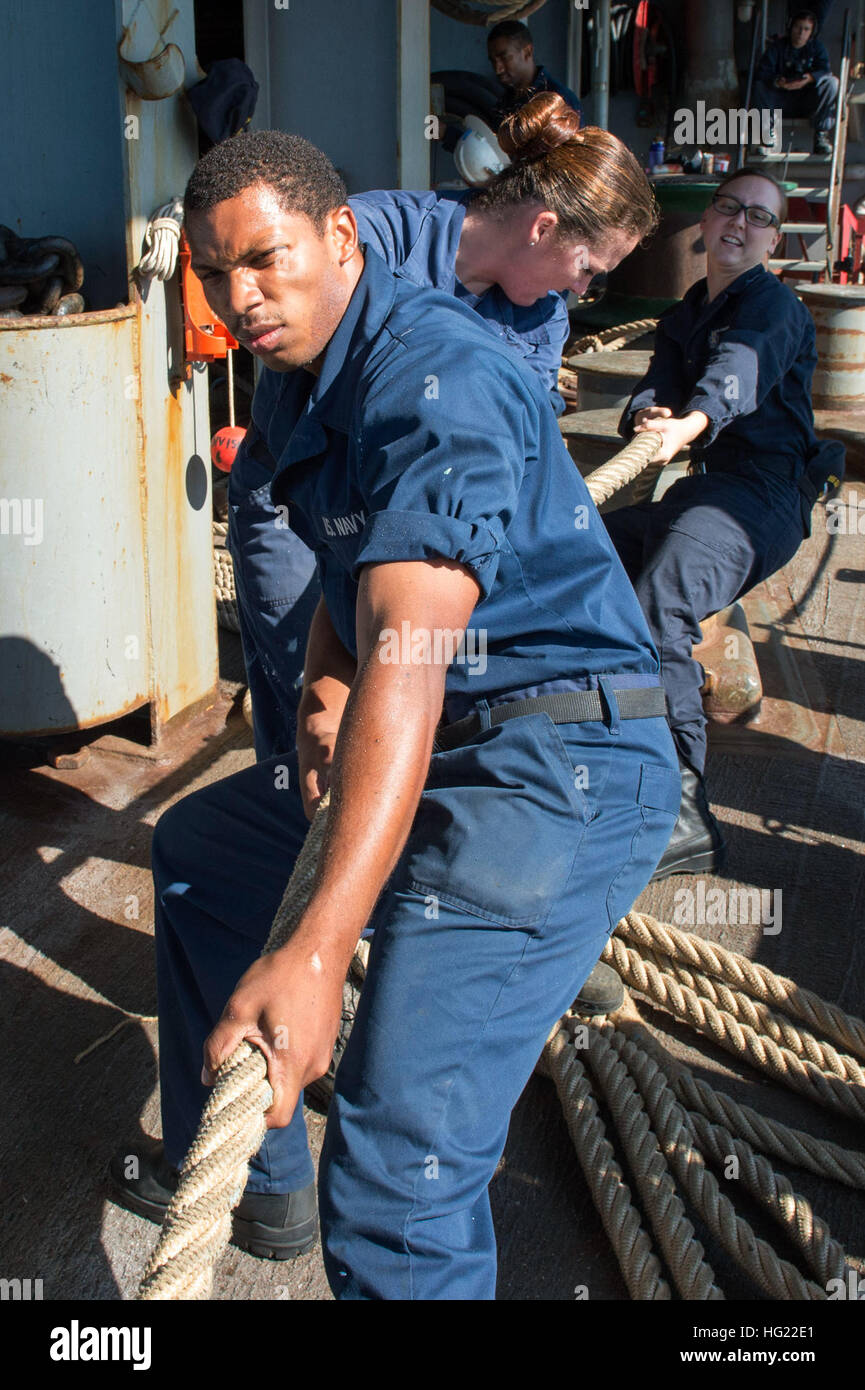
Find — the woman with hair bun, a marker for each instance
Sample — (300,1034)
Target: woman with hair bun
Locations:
(571,205)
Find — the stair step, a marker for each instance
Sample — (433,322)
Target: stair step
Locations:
(783,264)
(794,157)
(803,226)
(812,195)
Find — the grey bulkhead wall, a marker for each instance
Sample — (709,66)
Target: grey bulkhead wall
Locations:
(333,79)
(61,161)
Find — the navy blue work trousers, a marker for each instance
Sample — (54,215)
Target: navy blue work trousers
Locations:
(277,590)
(528,846)
(709,539)
(818,100)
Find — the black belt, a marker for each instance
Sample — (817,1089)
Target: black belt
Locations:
(563,707)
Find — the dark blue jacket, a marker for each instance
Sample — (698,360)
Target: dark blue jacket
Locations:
(513,100)
(781,59)
(746,360)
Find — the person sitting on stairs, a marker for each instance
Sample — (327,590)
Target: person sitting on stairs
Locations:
(793,76)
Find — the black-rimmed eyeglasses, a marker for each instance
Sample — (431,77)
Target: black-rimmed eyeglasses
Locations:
(758,216)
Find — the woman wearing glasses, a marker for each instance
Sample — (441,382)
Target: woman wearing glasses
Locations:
(731,376)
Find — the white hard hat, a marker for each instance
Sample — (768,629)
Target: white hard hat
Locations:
(478,154)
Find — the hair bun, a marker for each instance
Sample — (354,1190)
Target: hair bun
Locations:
(539,127)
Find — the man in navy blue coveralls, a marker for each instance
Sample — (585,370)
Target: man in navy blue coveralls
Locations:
(731,376)
(421,461)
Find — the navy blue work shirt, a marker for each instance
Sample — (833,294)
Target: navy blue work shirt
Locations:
(781,59)
(418,234)
(541,82)
(423,436)
(746,360)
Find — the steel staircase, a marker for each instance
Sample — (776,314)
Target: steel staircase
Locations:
(817,209)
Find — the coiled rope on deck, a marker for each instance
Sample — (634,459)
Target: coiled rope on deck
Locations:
(672,1126)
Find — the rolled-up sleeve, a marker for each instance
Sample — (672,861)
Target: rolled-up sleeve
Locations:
(443,450)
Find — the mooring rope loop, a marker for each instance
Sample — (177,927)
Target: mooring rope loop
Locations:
(777,1277)
(611,339)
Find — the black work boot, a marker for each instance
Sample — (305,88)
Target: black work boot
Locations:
(822,142)
(696,845)
(602,993)
(275,1226)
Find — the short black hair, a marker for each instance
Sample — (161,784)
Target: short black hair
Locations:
(302,177)
(510,29)
(804,14)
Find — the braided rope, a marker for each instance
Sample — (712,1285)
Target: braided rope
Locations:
(740,1039)
(692,1275)
(777,1277)
(611,339)
(197,1224)
(490,13)
(223,577)
(772,1190)
(794,1146)
(627,464)
(761,1018)
(611,1195)
(845,1029)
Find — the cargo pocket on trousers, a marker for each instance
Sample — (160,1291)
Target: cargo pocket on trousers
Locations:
(499,825)
(656,811)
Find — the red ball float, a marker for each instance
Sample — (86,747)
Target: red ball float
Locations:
(224,446)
